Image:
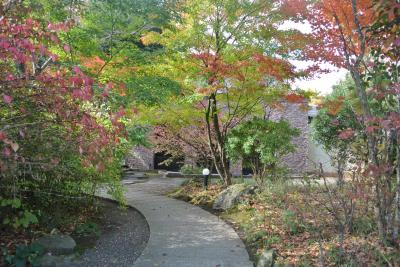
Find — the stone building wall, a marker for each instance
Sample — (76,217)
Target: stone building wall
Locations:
(297,115)
(298,162)
(236,168)
(140,158)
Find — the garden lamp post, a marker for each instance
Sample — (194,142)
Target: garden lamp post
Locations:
(206,174)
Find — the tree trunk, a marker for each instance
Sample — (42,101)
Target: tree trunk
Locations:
(353,65)
(396,222)
(258,170)
(217,144)
(379,209)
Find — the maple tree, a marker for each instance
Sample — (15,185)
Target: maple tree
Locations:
(231,62)
(110,41)
(345,34)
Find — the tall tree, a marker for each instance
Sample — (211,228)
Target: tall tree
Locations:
(343,37)
(231,60)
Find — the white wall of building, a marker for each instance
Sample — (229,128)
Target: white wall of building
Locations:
(317,155)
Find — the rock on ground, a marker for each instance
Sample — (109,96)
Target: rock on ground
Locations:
(267,259)
(231,196)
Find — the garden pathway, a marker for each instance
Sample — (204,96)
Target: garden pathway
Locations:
(182,235)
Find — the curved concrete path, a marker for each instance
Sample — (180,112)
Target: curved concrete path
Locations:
(182,235)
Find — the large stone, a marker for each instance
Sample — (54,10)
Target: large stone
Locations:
(231,196)
(267,258)
(57,244)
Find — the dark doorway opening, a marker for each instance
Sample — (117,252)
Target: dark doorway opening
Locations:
(247,171)
(163,161)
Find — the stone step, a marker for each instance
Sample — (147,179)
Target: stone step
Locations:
(133,181)
(135,175)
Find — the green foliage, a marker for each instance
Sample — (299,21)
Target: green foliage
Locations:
(306,262)
(291,223)
(270,240)
(24,254)
(339,114)
(262,143)
(336,256)
(190,169)
(12,213)
(386,258)
(55,10)
(137,135)
(113,41)
(268,139)
(337,128)
(152,90)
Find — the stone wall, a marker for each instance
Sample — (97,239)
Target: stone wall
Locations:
(297,116)
(298,162)
(235,168)
(140,158)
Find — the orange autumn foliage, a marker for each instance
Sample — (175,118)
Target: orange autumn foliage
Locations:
(274,67)
(334,29)
(93,64)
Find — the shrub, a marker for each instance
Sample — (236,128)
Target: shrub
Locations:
(269,240)
(261,143)
(190,169)
(14,214)
(60,139)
